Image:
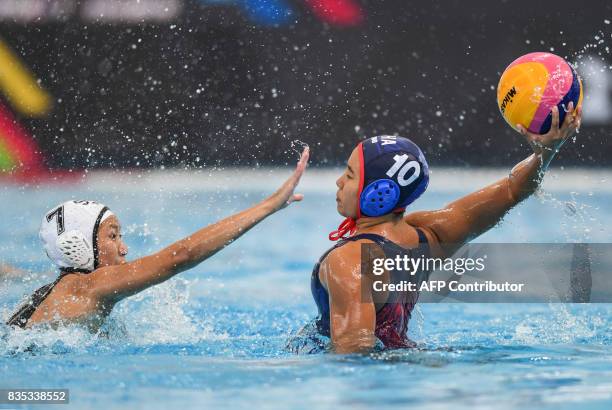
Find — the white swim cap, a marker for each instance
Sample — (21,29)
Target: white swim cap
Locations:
(69,233)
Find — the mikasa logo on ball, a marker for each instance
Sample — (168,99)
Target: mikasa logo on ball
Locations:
(507,99)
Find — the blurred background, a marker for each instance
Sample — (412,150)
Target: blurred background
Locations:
(206,83)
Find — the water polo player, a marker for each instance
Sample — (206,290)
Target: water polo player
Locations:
(383,176)
(83,239)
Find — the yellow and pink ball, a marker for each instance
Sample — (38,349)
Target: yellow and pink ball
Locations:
(532,85)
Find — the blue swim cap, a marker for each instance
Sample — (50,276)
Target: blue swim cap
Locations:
(394,173)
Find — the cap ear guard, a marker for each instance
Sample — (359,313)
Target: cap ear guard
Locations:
(379,197)
(400,164)
(76,250)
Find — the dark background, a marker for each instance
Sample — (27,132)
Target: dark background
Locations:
(198,91)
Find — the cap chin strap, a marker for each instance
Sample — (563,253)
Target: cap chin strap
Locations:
(104,213)
(349,226)
(346,228)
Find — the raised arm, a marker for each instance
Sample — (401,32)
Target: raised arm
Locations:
(11,272)
(113,283)
(470,216)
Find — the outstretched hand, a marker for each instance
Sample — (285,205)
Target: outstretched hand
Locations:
(554,139)
(284,195)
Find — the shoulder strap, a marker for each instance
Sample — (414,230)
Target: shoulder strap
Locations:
(382,240)
(337,245)
(378,239)
(422,237)
(27,309)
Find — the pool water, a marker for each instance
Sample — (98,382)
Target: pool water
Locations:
(216,335)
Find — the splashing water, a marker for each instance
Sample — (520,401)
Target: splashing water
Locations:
(298,146)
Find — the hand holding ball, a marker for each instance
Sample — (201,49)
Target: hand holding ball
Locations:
(532,85)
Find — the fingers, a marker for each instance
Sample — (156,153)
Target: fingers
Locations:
(525,133)
(556,136)
(305,155)
(294,179)
(284,195)
(293,198)
(301,166)
(554,127)
(534,140)
(569,121)
(531,137)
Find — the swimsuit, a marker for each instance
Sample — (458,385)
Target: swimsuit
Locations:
(392,318)
(25,312)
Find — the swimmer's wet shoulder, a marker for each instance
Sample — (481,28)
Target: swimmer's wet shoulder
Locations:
(72,300)
(352,315)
